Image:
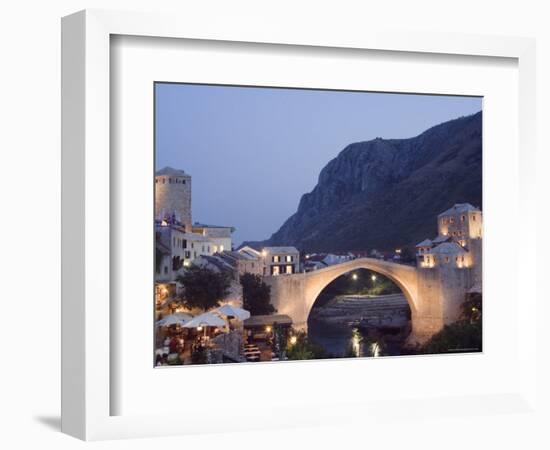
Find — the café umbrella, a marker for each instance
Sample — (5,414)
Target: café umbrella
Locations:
(174,319)
(233,311)
(205,320)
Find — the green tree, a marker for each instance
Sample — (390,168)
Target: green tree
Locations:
(464,335)
(256,295)
(203,288)
(303,349)
(472,307)
(457,337)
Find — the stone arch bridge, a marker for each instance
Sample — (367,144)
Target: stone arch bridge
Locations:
(435,296)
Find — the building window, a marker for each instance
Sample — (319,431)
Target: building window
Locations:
(288,269)
(289,258)
(221,248)
(452,220)
(182,181)
(447,259)
(165,270)
(163,180)
(463,218)
(276,259)
(275,270)
(187,254)
(474,217)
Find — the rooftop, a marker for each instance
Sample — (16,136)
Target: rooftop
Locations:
(204,225)
(170,171)
(441,238)
(239,255)
(459,208)
(281,249)
(448,248)
(216,261)
(425,243)
(249,251)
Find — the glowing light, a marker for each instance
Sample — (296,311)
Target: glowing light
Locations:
(186,263)
(268,329)
(264,253)
(293,340)
(355,343)
(398,250)
(373,277)
(221,248)
(199,328)
(354,276)
(375,350)
(164,223)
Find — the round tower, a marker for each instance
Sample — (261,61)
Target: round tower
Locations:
(173,196)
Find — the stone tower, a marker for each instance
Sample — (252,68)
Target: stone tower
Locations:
(173,196)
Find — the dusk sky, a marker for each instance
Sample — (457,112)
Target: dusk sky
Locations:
(253,152)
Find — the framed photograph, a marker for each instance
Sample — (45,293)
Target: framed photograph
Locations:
(253,216)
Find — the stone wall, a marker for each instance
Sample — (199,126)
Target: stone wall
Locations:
(173,195)
(435,295)
(230,344)
(287,297)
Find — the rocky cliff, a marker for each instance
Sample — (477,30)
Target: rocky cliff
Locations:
(387,193)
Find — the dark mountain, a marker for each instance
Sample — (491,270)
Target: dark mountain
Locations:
(387,193)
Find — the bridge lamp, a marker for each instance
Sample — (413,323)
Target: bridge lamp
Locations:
(373,277)
(354,276)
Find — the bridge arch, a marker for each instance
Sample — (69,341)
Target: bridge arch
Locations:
(405,277)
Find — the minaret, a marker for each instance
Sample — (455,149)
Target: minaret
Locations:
(173,196)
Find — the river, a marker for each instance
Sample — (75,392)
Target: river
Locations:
(361,325)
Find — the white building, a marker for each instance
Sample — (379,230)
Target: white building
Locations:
(219,235)
(280,260)
(459,240)
(276,260)
(244,262)
(178,243)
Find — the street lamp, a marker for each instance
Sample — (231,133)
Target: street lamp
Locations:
(354,276)
(373,277)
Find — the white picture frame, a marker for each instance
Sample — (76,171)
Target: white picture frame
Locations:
(86,245)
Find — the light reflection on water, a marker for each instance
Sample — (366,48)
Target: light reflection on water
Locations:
(339,340)
(344,341)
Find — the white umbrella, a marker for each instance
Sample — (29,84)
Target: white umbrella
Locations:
(230,310)
(174,319)
(205,320)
